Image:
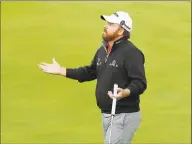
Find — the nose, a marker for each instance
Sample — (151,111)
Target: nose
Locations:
(105,26)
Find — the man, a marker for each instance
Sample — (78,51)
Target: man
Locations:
(116,61)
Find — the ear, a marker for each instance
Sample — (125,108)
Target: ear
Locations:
(121,31)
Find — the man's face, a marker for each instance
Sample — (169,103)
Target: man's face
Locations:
(111,31)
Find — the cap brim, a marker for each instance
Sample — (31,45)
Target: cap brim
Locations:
(102,17)
(110,19)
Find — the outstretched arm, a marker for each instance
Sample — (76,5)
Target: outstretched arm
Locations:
(85,73)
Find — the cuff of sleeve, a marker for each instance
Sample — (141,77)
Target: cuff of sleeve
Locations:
(133,89)
(69,73)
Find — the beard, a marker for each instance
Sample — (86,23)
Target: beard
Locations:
(109,37)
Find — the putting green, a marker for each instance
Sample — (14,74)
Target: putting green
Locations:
(40,108)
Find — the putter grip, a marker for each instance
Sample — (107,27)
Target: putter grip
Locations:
(114,99)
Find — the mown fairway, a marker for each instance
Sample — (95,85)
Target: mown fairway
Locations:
(39,108)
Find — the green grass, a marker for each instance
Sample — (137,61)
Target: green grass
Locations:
(40,108)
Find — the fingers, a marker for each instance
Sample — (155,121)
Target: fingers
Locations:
(45,70)
(54,61)
(119,89)
(118,96)
(43,66)
(110,93)
(43,63)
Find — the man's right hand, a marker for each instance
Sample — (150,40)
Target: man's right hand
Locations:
(53,68)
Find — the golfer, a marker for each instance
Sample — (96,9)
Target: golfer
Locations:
(117,61)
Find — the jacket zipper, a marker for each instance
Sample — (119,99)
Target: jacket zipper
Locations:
(106,53)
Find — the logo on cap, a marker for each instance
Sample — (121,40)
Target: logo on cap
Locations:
(122,22)
(116,14)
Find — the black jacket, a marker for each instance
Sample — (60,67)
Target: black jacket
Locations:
(123,66)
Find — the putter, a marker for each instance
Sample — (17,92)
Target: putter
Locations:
(113,109)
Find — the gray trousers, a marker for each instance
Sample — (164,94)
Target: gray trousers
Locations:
(123,127)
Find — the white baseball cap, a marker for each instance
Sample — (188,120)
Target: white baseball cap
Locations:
(121,18)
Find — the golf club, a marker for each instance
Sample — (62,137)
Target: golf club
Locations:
(113,109)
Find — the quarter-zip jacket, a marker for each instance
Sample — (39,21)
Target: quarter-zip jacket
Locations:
(124,65)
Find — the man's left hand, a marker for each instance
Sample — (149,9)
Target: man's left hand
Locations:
(121,93)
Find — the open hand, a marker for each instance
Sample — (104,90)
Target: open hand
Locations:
(53,68)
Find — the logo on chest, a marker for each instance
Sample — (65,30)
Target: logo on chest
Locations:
(99,62)
(113,63)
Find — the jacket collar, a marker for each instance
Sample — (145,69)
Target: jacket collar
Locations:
(120,40)
(104,43)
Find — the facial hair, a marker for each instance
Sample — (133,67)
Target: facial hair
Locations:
(109,37)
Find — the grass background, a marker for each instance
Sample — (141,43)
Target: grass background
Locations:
(40,108)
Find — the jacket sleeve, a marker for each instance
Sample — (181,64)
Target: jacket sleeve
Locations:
(84,73)
(134,64)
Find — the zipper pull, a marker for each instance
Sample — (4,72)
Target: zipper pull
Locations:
(106,58)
